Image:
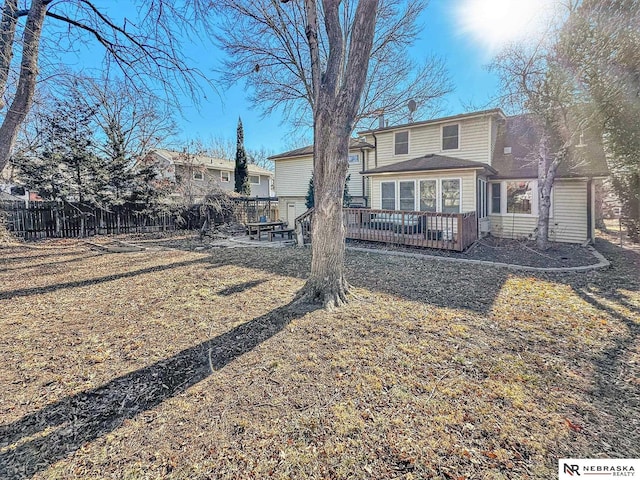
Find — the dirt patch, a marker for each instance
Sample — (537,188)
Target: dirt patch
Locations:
(180,364)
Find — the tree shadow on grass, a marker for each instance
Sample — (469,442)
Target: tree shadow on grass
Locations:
(40,439)
(25,292)
(48,264)
(432,282)
(241,287)
(616,391)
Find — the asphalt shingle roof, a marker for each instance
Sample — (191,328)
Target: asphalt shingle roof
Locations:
(429,162)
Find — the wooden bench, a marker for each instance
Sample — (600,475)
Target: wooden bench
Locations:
(281,232)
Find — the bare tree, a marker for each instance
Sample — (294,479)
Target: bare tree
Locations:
(143,50)
(534,80)
(337,86)
(601,46)
(130,122)
(266,43)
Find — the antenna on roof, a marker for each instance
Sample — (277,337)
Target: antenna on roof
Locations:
(411,105)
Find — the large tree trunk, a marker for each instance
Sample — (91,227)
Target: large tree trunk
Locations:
(26,83)
(327,285)
(336,98)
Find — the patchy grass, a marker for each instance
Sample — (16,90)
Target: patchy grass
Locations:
(178,364)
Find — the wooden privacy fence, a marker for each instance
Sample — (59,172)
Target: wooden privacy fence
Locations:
(52,219)
(55,219)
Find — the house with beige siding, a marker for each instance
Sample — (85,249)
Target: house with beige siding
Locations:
(201,173)
(480,163)
(293,172)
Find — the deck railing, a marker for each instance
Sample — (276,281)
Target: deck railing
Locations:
(448,231)
(302,225)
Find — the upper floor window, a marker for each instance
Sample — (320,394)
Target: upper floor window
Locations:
(450,137)
(225,176)
(197,175)
(254,179)
(401,142)
(354,158)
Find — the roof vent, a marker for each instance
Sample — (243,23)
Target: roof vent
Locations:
(507,150)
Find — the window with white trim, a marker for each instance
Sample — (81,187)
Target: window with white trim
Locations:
(450,195)
(401,143)
(254,179)
(407,195)
(519,196)
(354,159)
(197,175)
(428,195)
(496,198)
(388,195)
(451,137)
(481,205)
(225,176)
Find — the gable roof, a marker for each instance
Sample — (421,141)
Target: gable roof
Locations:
(452,118)
(428,163)
(354,144)
(210,162)
(522,134)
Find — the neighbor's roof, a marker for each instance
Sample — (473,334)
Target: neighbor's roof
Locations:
(177,158)
(452,118)
(429,162)
(354,144)
(522,134)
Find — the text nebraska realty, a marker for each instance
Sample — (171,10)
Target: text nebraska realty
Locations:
(612,470)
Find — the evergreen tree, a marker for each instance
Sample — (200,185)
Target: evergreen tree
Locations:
(346,197)
(241,172)
(65,167)
(309,201)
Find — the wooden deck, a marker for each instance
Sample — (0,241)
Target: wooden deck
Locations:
(446,231)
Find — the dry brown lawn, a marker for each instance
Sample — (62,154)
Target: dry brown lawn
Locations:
(180,364)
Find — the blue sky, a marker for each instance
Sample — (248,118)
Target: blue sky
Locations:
(465,59)
(465,33)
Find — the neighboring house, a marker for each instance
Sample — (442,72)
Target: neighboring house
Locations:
(482,162)
(199,174)
(10,188)
(293,171)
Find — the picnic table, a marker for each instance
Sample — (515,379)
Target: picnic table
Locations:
(255,229)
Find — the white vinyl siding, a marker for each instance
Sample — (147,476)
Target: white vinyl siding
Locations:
(292,176)
(513,226)
(283,208)
(474,138)
(355,178)
(568,215)
(569,222)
